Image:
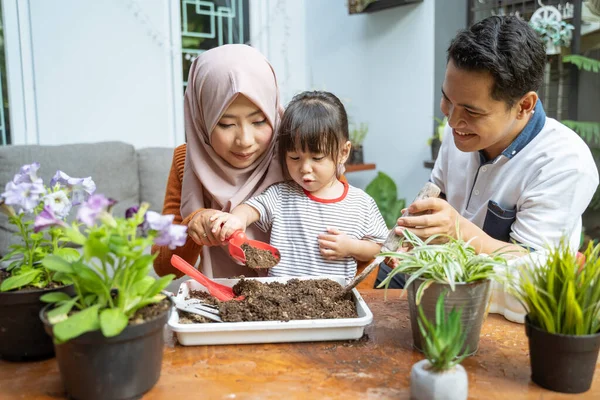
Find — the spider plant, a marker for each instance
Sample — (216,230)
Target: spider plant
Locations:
(444,338)
(449,263)
(562,292)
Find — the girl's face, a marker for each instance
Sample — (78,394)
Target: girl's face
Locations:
(242,134)
(315,172)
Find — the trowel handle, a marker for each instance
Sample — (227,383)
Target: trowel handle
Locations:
(392,242)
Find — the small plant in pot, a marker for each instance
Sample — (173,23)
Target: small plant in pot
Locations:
(435,268)
(561,293)
(357,137)
(435,142)
(109,336)
(28,203)
(440,375)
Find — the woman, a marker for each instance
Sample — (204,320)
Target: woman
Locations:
(232,113)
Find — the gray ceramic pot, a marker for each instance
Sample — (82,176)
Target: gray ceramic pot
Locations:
(472,297)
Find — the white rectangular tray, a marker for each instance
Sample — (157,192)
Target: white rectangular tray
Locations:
(270,331)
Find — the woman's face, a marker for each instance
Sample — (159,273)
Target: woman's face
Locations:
(242,134)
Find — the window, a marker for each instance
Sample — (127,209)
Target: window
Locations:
(212,23)
(4,120)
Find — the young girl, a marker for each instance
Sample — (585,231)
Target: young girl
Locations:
(320,224)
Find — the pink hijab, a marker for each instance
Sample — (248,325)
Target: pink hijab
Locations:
(216,77)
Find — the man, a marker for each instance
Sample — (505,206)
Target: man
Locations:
(511,177)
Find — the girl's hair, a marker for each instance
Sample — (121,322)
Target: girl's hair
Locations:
(314,121)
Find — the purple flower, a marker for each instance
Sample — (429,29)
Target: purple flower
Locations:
(80,188)
(131,211)
(28,174)
(24,196)
(46,219)
(92,208)
(159,222)
(172,236)
(59,203)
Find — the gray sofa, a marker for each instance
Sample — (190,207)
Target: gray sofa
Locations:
(119,170)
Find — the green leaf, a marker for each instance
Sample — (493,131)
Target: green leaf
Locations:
(58,264)
(159,285)
(384,191)
(581,62)
(68,254)
(112,322)
(18,281)
(61,312)
(94,247)
(89,279)
(55,297)
(142,286)
(77,324)
(589,131)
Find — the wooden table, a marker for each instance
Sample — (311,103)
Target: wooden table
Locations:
(374,367)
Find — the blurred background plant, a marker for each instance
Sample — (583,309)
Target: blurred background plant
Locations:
(385,193)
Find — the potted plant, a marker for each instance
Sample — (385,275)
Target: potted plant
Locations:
(435,142)
(554,32)
(385,193)
(109,336)
(435,268)
(357,137)
(28,203)
(561,293)
(440,375)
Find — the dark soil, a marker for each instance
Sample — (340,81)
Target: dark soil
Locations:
(5,275)
(150,312)
(293,300)
(259,258)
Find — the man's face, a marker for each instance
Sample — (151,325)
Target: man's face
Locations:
(478,121)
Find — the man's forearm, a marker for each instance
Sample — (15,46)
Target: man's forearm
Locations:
(484,243)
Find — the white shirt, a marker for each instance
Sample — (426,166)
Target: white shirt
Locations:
(532,193)
(296,219)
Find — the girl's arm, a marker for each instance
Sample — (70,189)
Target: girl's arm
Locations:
(225,224)
(364,250)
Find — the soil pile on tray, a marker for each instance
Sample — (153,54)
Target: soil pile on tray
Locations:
(258,258)
(275,301)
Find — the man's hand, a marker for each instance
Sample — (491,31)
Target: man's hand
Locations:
(199,228)
(335,245)
(442,219)
(225,224)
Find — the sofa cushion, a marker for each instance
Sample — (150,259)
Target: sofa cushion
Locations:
(112,165)
(154,164)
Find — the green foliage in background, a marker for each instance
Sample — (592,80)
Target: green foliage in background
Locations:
(385,193)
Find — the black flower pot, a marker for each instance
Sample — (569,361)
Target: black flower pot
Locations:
(22,336)
(122,367)
(356,155)
(563,363)
(435,148)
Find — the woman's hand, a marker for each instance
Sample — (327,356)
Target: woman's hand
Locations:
(199,228)
(335,245)
(441,218)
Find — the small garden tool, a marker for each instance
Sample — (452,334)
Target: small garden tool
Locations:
(392,242)
(239,238)
(220,292)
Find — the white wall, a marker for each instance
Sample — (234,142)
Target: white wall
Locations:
(382,66)
(278,30)
(99,74)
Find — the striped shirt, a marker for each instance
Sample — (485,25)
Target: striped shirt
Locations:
(296,218)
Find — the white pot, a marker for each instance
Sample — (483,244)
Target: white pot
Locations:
(428,385)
